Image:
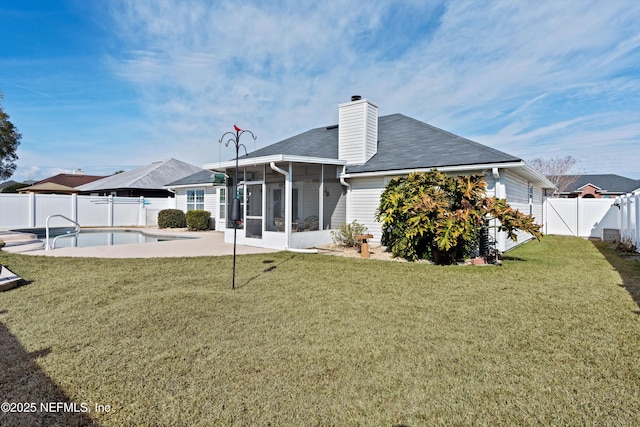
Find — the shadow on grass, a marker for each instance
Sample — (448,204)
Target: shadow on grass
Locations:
(266,270)
(626,266)
(512,258)
(24,386)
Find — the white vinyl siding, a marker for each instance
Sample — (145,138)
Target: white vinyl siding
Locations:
(357,131)
(210,199)
(365,198)
(517,190)
(366,192)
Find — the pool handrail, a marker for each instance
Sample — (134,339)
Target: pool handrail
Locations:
(53,243)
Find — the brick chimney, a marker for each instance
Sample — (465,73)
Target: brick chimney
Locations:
(357,130)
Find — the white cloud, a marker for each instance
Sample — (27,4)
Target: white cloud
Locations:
(522,78)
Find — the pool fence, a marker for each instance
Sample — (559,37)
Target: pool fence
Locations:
(591,218)
(31,210)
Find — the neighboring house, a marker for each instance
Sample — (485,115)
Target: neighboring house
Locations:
(296,191)
(147,181)
(197,191)
(599,186)
(63,183)
(48,188)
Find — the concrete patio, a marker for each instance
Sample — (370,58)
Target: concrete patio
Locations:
(206,243)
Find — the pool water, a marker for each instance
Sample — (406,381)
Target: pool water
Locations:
(88,238)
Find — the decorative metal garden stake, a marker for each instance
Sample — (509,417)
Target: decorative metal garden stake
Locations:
(236,214)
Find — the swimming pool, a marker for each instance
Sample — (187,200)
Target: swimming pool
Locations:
(97,237)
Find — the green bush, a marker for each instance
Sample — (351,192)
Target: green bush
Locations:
(435,216)
(171,218)
(13,188)
(198,220)
(346,234)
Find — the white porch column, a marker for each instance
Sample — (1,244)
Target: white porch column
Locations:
(288,200)
(288,189)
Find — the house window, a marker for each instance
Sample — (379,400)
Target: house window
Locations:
(195,200)
(223,202)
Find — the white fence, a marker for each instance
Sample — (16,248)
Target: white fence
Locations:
(32,210)
(590,217)
(630,218)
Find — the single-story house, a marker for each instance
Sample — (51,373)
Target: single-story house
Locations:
(295,192)
(62,183)
(48,188)
(599,186)
(197,191)
(147,181)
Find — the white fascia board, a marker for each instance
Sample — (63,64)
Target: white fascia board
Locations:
(536,176)
(593,185)
(441,169)
(204,184)
(252,161)
(525,170)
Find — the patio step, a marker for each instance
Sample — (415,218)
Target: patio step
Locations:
(18,246)
(10,236)
(20,242)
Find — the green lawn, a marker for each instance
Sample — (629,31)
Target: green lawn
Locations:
(552,338)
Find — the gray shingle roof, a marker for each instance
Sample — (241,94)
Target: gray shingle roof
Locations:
(320,142)
(605,182)
(201,177)
(153,176)
(403,143)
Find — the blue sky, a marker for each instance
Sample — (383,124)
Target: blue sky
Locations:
(114,84)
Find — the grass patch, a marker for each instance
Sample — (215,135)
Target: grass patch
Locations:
(551,337)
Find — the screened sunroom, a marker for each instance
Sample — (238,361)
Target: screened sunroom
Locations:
(285,203)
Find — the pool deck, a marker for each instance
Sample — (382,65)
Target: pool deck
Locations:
(207,243)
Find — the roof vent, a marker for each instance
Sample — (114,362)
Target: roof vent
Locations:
(356,98)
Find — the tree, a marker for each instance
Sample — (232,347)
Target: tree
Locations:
(434,216)
(557,170)
(13,188)
(9,141)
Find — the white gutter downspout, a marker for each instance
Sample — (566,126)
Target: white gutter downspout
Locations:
(287,201)
(499,194)
(498,184)
(348,201)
